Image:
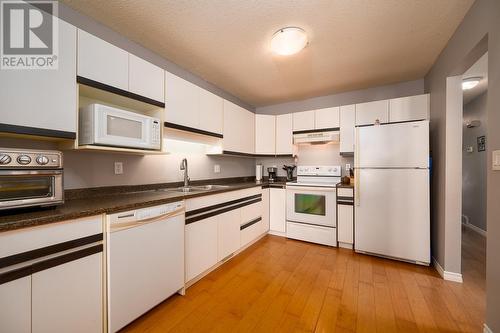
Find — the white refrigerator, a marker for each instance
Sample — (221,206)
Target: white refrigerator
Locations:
(392,200)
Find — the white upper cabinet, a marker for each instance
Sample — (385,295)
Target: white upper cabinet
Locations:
(327,118)
(284,134)
(303,121)
(181,101)
(347,124)
(409,108)
(239,129)
(265,134)
(101,61)
(146,79)
(368,113)
(211,111)
(44,99)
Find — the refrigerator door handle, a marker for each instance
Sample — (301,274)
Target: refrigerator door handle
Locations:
(356,186)
(356,167)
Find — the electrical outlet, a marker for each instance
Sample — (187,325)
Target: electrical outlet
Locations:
(217,168)
(118,168)
(347,167)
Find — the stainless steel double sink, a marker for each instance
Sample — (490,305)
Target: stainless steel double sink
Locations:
(189,189)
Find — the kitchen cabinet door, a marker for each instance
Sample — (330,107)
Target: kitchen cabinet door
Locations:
(146,79)
(265,134)
(303,121)
(345,223)
(409,108)
(239,129)
(327,118)
(181,101)
(101,61)
(265,210)
(284,134)
(347,125)
(43,99)
(368,113)
(201,246)
(69,297)
(211,111)
(15,306)
(277,215)
(229,233)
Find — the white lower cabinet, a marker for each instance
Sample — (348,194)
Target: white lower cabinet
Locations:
(229,233)
(277,214)
(345,225)
(265,210)
(201,246)
(68,297)
(15,305)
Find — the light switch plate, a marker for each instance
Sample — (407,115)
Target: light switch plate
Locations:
(496,160)
(216,168)
(347,167)
(118,168)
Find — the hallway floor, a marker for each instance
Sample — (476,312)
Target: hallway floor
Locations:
(281,285)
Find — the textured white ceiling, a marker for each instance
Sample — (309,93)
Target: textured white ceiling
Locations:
(354,44)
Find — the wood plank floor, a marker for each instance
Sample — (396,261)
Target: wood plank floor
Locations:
(281,285)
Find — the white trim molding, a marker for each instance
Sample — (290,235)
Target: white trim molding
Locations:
(487,329)
(474,228)
(449,276)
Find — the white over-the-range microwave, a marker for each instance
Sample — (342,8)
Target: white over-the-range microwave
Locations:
(107,126)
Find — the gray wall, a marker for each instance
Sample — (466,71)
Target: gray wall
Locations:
(460,53)
(474,164)
(346,98)
(90,25)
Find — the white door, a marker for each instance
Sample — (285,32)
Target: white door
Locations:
(211,112)
(277,214)
(229,233)
(327,118)
(69,297)
(347,123)
(265,134)
(146,79)
(392,213)
(15,305)
(201,246)
(181,101)
(312,205)
(101,61)
(146,265)
(303,121)
(284,134)
(404,145)
(368,113)
(345,226)
(409,108)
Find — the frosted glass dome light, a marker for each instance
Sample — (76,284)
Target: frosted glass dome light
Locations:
(288,41)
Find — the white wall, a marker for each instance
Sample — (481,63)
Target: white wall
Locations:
(474,164)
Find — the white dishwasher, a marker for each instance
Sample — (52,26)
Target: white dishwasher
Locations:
(145,263)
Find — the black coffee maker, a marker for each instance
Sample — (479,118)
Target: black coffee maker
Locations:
(289,171)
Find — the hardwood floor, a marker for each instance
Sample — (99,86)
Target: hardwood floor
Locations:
(281,285)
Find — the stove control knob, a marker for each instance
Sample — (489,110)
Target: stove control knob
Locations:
(42,160)
(23,159)
(5,159)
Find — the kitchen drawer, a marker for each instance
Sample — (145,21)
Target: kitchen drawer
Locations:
(251,212)
(250,231)
(345,192)
(309,233)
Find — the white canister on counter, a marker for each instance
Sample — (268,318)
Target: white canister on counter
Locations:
(258,172)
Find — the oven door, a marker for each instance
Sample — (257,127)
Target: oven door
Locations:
(30,188)
(311,205)
(122,129)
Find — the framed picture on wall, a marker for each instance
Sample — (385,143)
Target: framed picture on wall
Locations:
(481,143)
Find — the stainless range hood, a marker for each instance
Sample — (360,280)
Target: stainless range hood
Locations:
(316,136)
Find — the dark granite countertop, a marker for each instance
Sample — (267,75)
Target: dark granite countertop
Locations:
(340,185)
(90,202)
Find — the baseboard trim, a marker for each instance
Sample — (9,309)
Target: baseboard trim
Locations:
(448,276)
(475,229)
(486,329)
(277,233)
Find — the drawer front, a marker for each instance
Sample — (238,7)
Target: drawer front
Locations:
(251,232)
(209,200)
(309,233)
(251,212)
(345,192)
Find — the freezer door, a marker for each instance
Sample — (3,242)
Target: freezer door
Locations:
(392,213)
(403,145)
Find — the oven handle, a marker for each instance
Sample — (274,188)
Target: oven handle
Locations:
(37,172)
(296,188)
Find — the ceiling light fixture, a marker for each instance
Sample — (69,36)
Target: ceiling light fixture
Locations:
(288,41)
(470,82)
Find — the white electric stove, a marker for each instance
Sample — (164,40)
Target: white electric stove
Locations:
(311,204)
